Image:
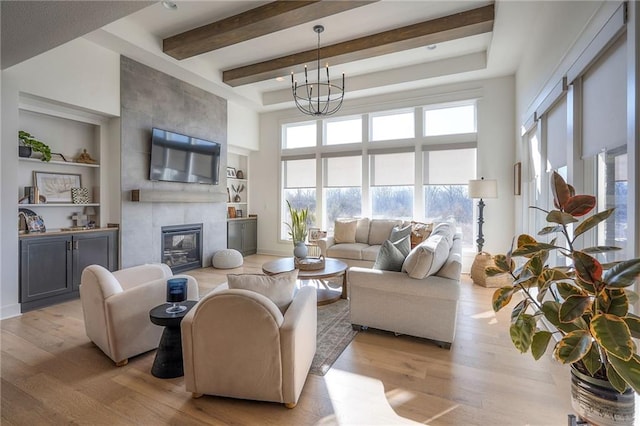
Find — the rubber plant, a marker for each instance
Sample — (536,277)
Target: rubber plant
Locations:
(38,146)
(586,303)
(298,225)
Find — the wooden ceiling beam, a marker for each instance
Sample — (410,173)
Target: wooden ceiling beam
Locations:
(266,19)
(459,25)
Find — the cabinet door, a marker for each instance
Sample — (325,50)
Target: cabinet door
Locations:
(250,237)
(96,248)
(45,267)
(234,235)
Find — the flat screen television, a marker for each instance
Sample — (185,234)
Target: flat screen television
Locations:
(181,158)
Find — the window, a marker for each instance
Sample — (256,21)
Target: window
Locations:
(396,125)
(392,183)
(299,135)
(612,193)
(343,188)
(344,131)
(299,182)
(450,121)
(446,177)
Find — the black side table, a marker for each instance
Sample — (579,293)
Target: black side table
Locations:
(168,362)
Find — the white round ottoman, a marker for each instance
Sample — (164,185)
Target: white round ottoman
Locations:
(227,259)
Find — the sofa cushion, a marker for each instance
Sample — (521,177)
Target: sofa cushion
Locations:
(278,288)
(453,266)
(370,253)
(389,258)
(344,231)
(380,230)
(362,231)
(427,258)
(347,251)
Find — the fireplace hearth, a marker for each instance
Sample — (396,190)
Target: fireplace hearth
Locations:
(182,247)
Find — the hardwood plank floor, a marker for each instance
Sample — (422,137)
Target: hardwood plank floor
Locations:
(52,374)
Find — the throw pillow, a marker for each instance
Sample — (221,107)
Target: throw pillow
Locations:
(403,244)
(278,288)
(398,232)
(380,230)
(420,231)
(389,258)
(427,258)
(345,231)
(447,229)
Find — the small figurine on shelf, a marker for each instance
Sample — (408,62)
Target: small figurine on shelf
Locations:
(85,158)
(239,174)
(237,189)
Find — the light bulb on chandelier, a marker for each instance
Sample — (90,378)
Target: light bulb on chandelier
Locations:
(328,96)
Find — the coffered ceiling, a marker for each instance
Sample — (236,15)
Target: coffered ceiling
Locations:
(247,50)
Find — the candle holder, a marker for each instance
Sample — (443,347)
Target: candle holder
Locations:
(176,293)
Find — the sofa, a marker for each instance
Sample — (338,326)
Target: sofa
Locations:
(420,300)
(358,241)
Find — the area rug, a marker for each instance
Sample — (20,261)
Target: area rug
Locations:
(334,334)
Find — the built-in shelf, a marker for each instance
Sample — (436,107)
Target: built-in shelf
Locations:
(156,196)
(64,163)
(59,205)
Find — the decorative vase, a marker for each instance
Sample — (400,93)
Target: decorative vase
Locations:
(24,151)
(236,198)
(300,250)
(598,403)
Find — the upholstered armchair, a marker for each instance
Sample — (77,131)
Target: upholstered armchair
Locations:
(237,343)
(116,307)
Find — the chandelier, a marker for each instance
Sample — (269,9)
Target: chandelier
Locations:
(324,98)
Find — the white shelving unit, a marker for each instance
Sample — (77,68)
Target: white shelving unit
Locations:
(238,162)
(67,132)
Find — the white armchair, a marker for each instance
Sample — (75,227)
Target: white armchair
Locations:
(116,307)
(236,343)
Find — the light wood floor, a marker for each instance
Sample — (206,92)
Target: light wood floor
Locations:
(52,374)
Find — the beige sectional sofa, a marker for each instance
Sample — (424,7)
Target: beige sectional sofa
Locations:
(363,250)
(420,300)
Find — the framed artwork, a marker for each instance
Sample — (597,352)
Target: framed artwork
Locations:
(517,176)
(313,234)
(231,172)
(56,187)
(239,213)
(231,212)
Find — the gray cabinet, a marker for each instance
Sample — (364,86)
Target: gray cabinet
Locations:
(51,265)
(242,235)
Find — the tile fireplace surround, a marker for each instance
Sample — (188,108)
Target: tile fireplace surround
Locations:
(150,98)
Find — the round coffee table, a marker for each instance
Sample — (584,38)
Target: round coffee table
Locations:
(168,361)
(333,268)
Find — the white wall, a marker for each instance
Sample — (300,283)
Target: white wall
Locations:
(562,31)
(496,153)
(242,127)
(79,73)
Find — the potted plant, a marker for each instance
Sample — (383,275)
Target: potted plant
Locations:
(585,305)
(29,141)
(298,230)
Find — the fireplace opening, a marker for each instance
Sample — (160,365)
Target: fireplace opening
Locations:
(182,247)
